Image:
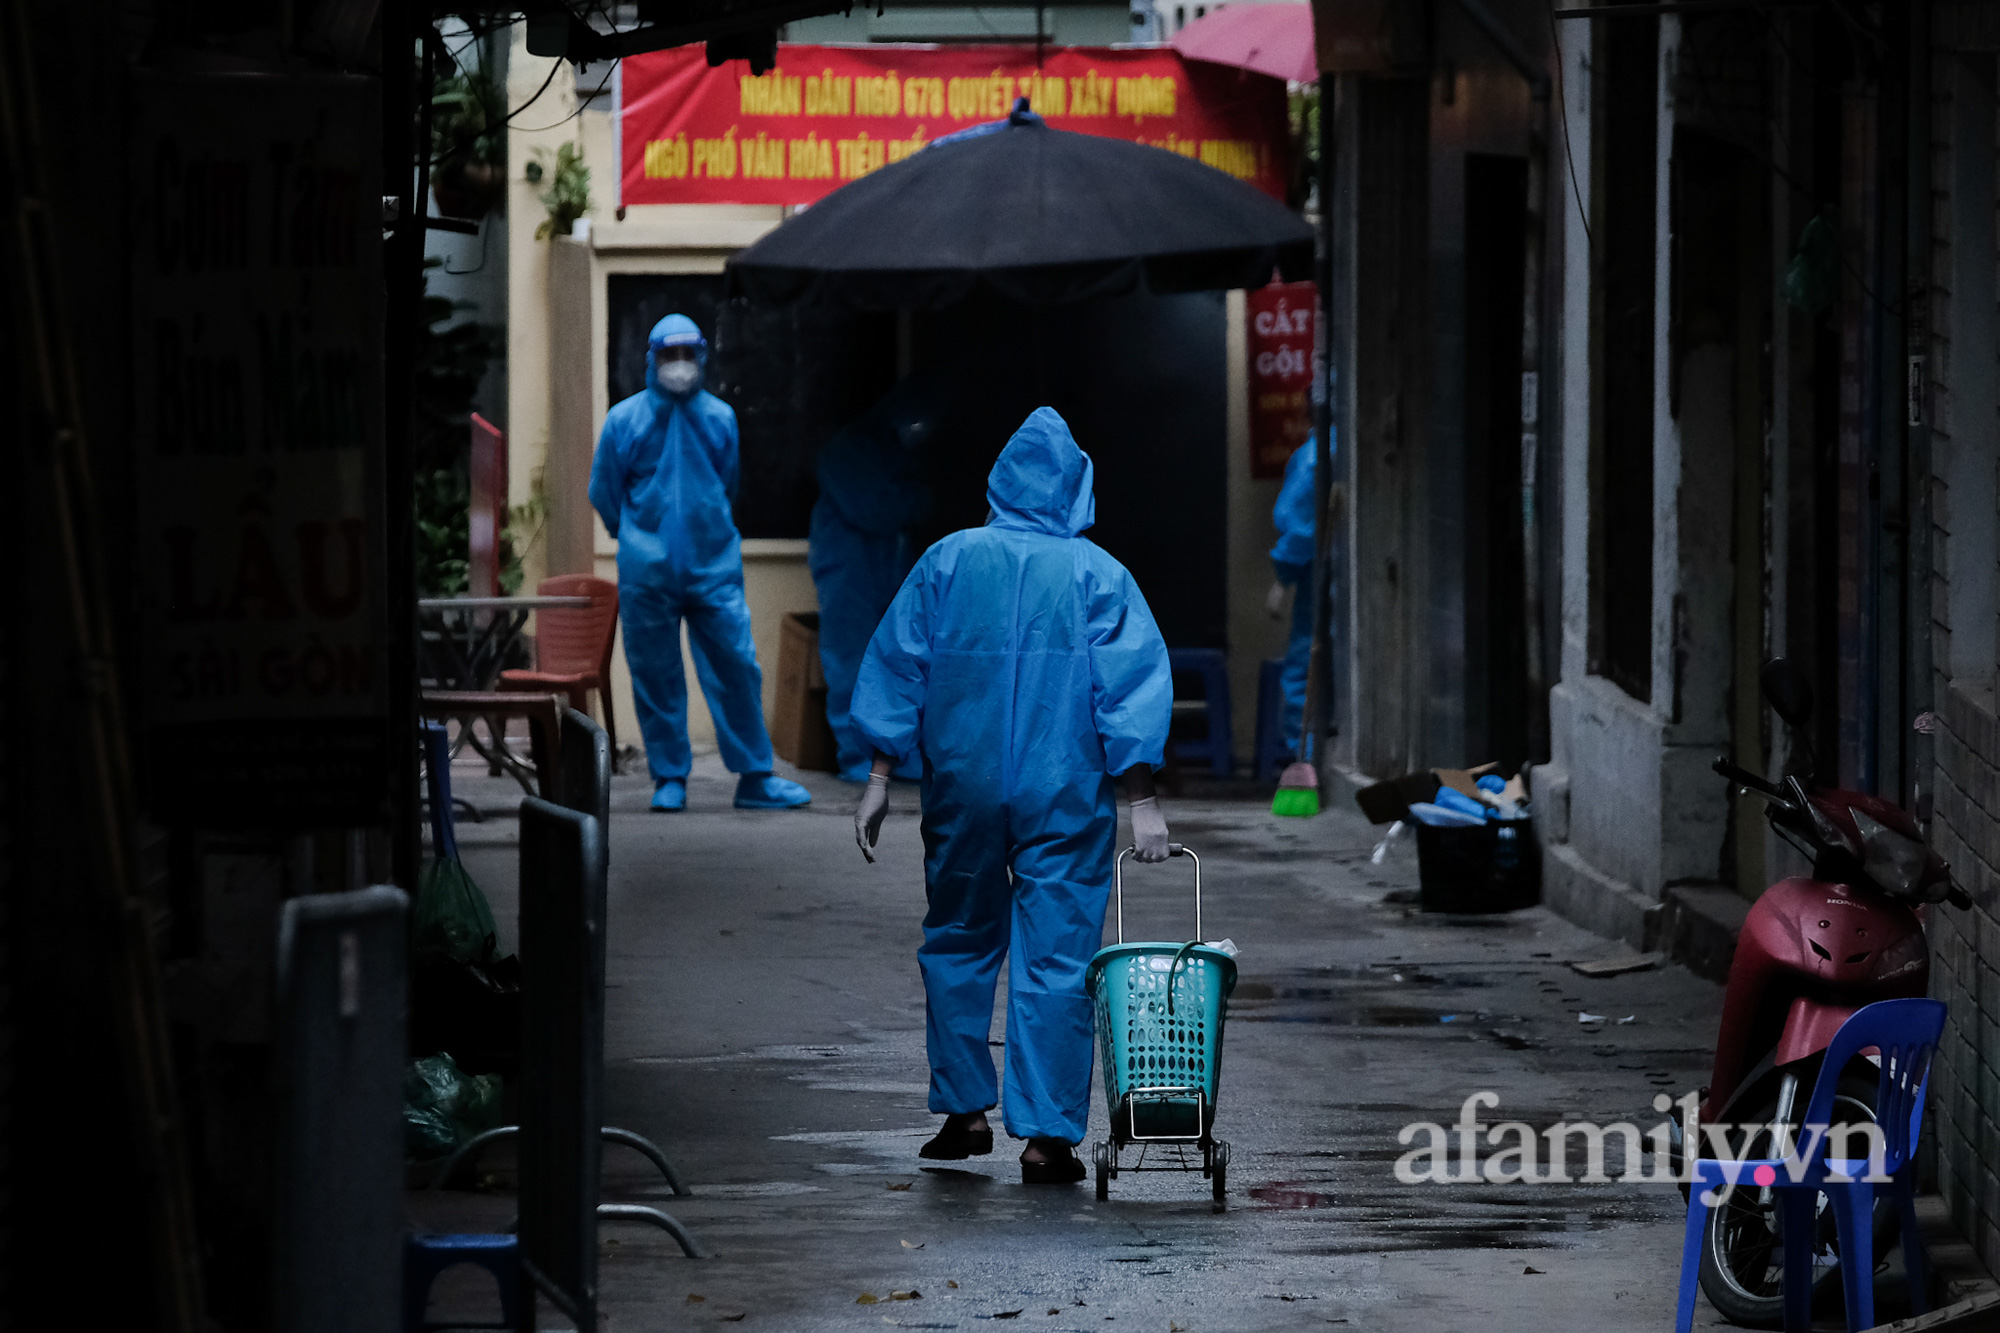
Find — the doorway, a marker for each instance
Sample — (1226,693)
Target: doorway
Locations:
(1496,712)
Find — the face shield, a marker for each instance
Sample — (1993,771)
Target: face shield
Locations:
(677,366)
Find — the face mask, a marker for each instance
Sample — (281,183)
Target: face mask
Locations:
(679,377)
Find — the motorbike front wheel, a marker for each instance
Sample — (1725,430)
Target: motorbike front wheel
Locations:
(1743,1250)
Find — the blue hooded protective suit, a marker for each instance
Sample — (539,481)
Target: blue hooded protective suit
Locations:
(1292,561)
(663,482)
(1023,665)
(870,496)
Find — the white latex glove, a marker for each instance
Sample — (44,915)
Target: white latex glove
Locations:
(1149,830)
(869,815)
(1274,602)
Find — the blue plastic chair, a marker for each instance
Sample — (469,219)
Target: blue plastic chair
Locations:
(426,1256)
(1218,746)
(1905,1034)
(1273,751)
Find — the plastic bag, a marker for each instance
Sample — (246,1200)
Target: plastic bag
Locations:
(1812,280)
(443,1106)
(452,919)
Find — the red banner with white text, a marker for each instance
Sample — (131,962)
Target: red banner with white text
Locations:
(826,115)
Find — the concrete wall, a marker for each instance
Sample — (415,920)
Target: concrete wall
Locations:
(1253,633)
(1405,679)
(1627,805)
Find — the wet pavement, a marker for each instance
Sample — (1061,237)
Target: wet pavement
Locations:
(765,1025)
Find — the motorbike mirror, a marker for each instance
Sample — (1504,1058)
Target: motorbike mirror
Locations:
(1790,693)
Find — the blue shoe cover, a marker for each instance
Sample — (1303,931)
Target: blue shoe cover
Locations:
(670,794)
(768,791)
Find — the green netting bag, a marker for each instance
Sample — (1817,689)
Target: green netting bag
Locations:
(443,1106)
(452,919)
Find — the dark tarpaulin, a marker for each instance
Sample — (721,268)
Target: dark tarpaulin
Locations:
(1033,214)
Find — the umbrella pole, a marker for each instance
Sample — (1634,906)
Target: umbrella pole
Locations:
(1319,669)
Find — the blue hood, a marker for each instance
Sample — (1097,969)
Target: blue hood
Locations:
(674,331)
(1042,481)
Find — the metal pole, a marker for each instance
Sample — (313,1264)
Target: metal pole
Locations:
(402,282)
(1319,668)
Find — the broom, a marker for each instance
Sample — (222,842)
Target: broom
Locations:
(1298,790)
(1298,785)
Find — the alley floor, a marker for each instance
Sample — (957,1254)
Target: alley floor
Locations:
(765,1025)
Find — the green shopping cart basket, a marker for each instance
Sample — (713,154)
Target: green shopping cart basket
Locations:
(1160,1008)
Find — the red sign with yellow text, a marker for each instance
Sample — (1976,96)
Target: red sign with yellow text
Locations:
(826,115)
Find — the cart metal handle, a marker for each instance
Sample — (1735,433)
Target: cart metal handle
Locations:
(1118,883)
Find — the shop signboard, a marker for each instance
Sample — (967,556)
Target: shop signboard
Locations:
(257,423)
(1279,336)
(1369,36)
(826,115)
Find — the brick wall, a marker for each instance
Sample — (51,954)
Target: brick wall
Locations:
(1965,787)
(1965,1100)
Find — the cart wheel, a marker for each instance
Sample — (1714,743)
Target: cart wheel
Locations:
(1101,1154)
(1219,1178)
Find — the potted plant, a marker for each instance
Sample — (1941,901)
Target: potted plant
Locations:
(468,145)
(568,194)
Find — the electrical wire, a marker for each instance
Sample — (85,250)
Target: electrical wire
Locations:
(538,94)
(1562,105)
(581,106)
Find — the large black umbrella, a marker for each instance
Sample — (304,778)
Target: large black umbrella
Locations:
(1035,214)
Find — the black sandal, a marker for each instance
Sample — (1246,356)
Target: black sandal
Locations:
(1062,1166)
(955,1143)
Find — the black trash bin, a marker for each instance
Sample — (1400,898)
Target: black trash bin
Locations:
(1491,867)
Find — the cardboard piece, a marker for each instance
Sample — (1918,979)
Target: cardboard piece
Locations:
(799,730)
(1463,781)
(1385,802)
(1611,967)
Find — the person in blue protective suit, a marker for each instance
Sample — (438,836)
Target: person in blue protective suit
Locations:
(1292,563)
(664,481)
(1022,665)
(870,496)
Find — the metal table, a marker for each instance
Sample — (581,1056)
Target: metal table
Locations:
(473,641)
(476,637)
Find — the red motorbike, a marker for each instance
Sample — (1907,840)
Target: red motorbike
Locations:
(1811,952)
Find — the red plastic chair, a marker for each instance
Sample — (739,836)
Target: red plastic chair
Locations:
(573,646)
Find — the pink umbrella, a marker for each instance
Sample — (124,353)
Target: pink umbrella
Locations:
(1274,38)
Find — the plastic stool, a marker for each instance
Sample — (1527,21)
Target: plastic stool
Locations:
(1272,752)
(1212,664)
(424,1257)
